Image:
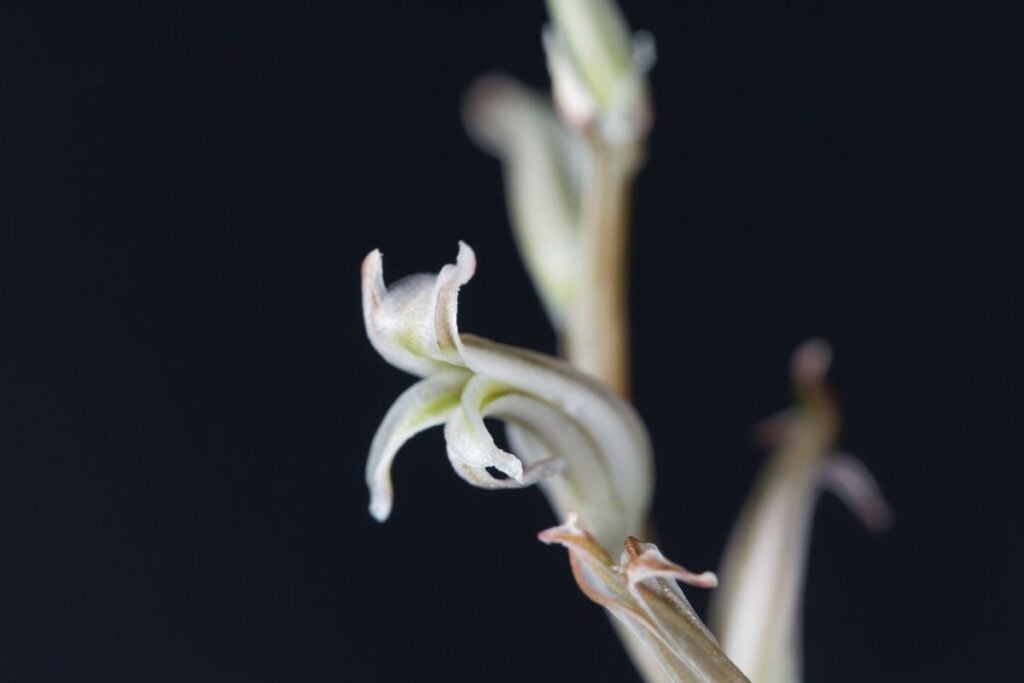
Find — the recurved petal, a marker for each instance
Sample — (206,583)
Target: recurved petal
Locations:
(425,404)
(609,423)
(595,572)
(542,161)
(412,323)
(471,448)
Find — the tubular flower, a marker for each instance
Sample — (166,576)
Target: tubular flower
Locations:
(585,446)
(640,592)
(756,612)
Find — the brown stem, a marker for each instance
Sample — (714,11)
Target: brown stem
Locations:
(597,331)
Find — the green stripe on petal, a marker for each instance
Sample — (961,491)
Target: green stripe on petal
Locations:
(425,404)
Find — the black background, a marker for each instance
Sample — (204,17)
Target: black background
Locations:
(188,396)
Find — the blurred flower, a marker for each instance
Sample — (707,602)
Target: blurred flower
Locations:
(641,592)
(568,175)
(587,447)
(756,612)
(543,165)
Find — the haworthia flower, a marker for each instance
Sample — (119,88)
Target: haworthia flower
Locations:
(542,161)
(640,591)
(586,447)
(598,73)
(756,612)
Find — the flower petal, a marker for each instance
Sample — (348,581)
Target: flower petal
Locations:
(425,404)
(412,324)
(607,421)
(471,447)
(851,482)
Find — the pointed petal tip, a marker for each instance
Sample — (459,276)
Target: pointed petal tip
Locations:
(655,565)
(558,534)
(372,263)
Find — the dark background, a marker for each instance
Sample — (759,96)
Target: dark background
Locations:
(187,395)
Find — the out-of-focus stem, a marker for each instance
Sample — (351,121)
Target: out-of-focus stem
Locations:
(596,337)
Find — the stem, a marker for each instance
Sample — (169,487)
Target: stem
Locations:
(596,338)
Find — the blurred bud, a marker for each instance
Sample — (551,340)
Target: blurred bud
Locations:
(598,72)
(542,161)
(756,612)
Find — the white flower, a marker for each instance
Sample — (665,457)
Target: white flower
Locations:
(640,591)
(756,612)
(586,446)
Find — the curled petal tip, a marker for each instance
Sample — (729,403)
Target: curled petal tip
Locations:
(509,465)
(372,273)
(380,509)
(374,257)
(466,261)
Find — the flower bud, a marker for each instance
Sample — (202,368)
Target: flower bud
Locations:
(598,72)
